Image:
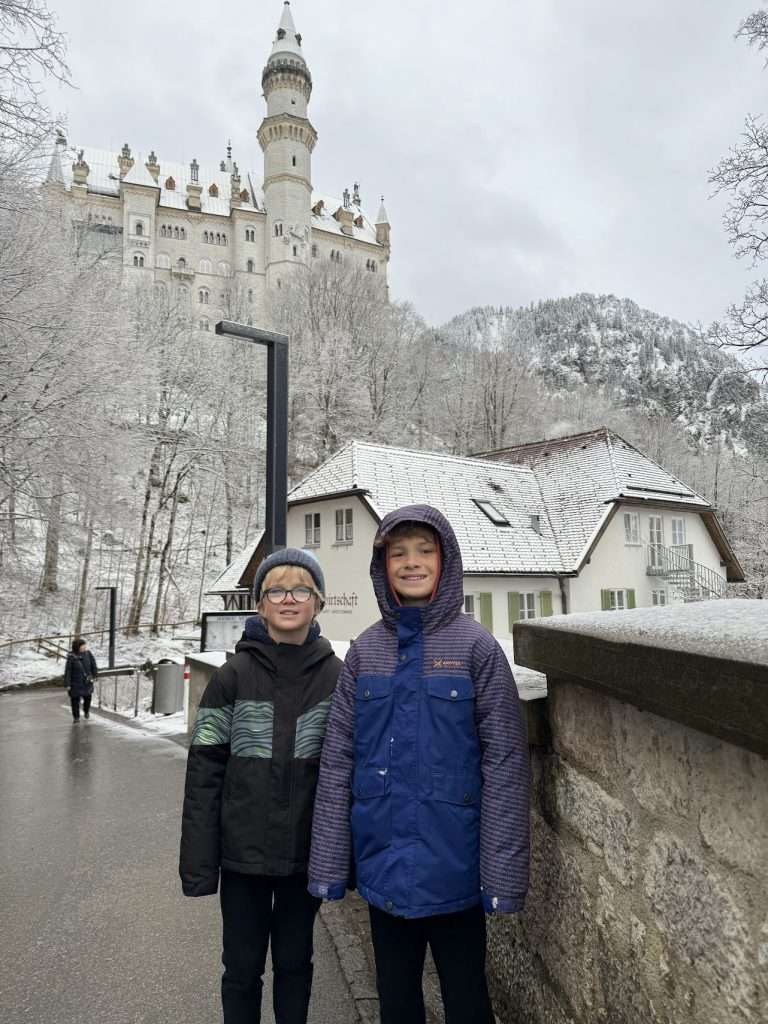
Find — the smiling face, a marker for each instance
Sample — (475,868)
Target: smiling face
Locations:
(413,565)
(289,622)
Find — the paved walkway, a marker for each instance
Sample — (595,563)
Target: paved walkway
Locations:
(93,926)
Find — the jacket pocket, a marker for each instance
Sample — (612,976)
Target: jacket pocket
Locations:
(373,717)
(370,782)
(371,818)
(448,730)
(462,788)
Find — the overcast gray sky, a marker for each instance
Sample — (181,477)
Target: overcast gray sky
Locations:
(527,149)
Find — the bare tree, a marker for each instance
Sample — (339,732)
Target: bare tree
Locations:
(743,177)
(31,50)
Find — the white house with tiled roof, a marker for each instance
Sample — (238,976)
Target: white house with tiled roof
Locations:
(573,524)
(218,239)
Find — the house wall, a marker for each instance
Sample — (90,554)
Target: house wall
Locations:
(500,586)
(616,565)
(350,602)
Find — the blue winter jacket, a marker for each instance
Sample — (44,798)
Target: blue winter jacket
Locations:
(424,775)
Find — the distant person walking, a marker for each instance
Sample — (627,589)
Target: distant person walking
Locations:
(79,674)
(250,792)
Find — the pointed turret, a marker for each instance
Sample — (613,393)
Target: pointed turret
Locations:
(287,139)
(55,174)
(382,225)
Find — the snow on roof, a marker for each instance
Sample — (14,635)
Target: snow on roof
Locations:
(733,629)
(229,580)
(325,221)
(139,175)
(104,179)
(583,474)
(397,476)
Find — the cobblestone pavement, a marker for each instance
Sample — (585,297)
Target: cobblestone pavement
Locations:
(93,926)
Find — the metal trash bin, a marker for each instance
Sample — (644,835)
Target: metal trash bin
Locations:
(168,696)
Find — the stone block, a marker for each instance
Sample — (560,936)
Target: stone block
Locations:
(581,722)
(706,931)
(602,822)
(653,754)
(731,786)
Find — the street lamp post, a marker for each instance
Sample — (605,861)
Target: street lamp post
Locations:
(277,427)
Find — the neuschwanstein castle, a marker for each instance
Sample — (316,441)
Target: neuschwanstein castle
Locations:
(203,233)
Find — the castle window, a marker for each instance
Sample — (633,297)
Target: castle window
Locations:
(224,269)
(250,294)
(314,250)
(278,230)
(170,184)
(223,239)
(202,296)
(175,232)
(163,261)
(250,234)
(182,293)
(293,160)
(160,290)
(162,231)
(139,228)
(249,266)
(218,239)
(183,233)
(181,263)
(205,324)
(205,236)
(214,191)
(295,250)
(205,267)
(138,261)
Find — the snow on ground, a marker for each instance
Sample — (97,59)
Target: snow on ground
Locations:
(736,629)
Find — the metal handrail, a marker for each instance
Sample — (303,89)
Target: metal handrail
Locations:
(671,562)
(67,638)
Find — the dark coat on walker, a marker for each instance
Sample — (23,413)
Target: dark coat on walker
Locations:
(79,673)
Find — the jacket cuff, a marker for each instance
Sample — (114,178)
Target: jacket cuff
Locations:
(503,904)
(207,888)
(325,891)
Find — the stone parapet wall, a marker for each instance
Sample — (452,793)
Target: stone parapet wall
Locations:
(649,877)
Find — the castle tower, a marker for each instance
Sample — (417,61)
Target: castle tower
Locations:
(287,139)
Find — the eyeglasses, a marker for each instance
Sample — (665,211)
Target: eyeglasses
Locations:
(276,595)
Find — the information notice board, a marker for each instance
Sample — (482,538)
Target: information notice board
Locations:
(220,631)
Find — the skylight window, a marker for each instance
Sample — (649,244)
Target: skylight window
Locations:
(492,512)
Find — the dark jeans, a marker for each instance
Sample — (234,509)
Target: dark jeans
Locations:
(255,910)
(457,942)
(75,702)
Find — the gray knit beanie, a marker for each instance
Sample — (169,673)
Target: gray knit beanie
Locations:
(289,556)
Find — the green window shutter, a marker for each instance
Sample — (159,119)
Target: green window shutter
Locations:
(545,602)
(513,608)
(630,599)
(605,600)
(486,611)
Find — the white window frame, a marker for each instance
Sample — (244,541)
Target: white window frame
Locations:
(659,598)
(675,522)
(469,605)
(528,605)
(311,529)
(618,600)
(344,526)
(632,529)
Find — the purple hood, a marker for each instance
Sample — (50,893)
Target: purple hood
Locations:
(448,602)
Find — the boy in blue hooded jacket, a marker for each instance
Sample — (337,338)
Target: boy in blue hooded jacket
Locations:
(424,777)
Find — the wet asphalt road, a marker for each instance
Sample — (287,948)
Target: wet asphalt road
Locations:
(93,926)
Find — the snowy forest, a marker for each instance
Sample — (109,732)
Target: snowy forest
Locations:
(131,442)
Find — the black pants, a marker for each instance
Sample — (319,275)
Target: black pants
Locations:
(457,942)
(75,702)
(256,909)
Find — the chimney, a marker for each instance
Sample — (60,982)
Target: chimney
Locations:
(125,160)
(152,165)
(194,188)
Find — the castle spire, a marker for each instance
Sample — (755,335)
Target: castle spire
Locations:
(288,40)
(382,217)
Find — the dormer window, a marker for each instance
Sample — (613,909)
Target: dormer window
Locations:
(281,33)
(213,191)
(496,517)
(170,184)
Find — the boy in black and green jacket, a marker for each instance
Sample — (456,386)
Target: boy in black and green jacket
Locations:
(250,789)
